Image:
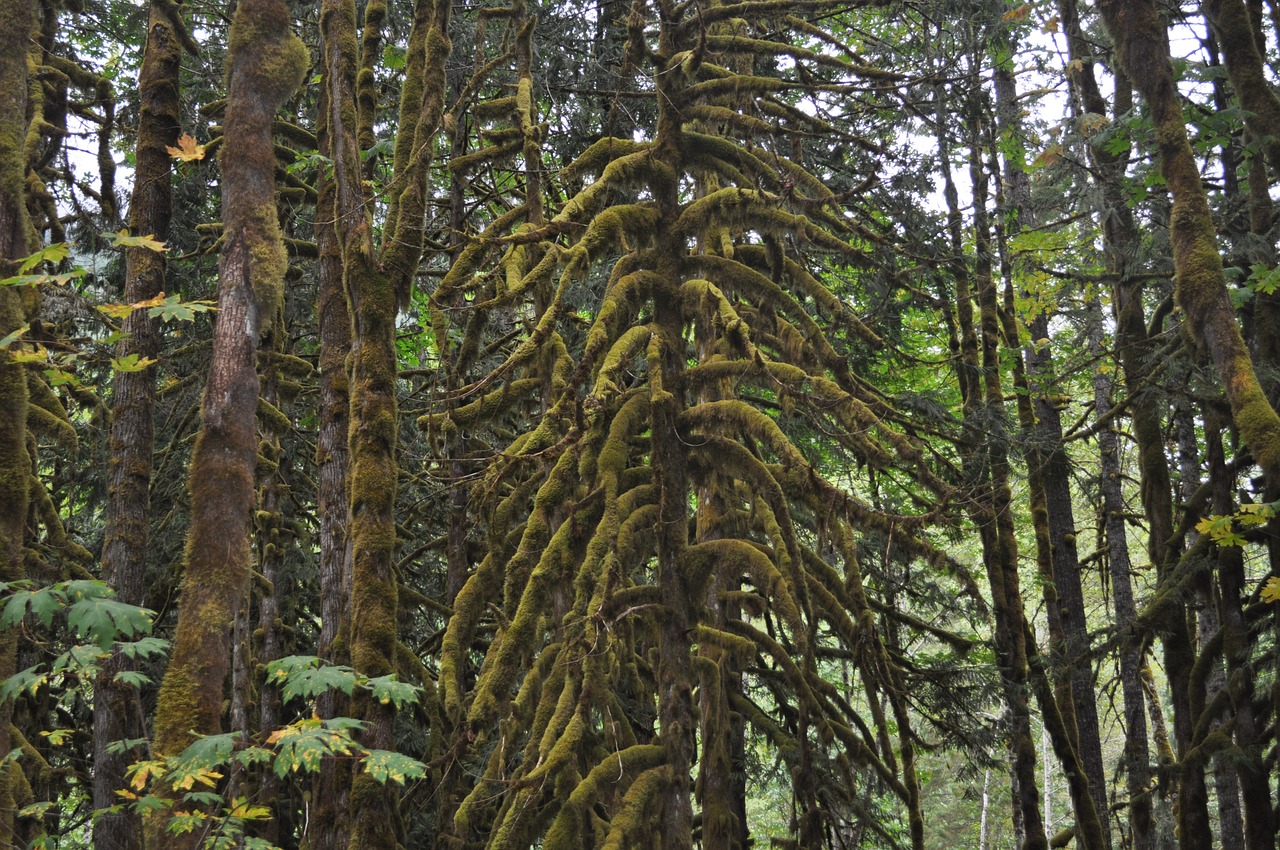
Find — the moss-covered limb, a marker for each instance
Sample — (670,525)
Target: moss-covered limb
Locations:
(1238,40)
(567,830)
(54,532)
(421,116)
(1201,287)
(519,639)
(629,824)
(483,409)
(486,580)
(365,89)
(628,170)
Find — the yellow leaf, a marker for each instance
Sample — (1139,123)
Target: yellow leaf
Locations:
(1051,25)
(122,239)
(1048,157)
(187,149)
(1271,590)
(1017,15)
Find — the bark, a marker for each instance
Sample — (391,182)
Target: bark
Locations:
(675,668)
(17,20)
(117,711)
(372,296)
(326,826)
(1247,758)
(1238,38)
(1136,757)
(266,63)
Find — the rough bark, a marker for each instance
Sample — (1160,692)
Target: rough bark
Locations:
(17,19)
(117,712)
(326,827)
(266,63)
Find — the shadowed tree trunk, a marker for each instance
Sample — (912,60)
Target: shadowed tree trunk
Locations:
(266,64)
(17,19)
(117,714)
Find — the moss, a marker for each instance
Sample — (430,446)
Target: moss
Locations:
(566,832)
(630,822)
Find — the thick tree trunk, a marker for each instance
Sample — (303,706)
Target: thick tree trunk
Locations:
(17,19)
(266,63)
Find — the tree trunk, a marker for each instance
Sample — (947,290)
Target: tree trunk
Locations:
(266,63)
(1142,45)
(17,19)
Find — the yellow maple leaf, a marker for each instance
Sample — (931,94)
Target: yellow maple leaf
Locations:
(187,149)
(1017,15)
(1271,590)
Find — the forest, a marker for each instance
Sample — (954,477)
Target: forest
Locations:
(652,424)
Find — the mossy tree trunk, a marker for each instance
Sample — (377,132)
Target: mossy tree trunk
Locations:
(117,712)
(17,20)
(374,286)
(1142,45)
(266,63)
(1119,240)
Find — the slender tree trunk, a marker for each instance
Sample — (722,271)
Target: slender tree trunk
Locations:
(1136,757)
(1052,467)
(326,824)
(117,713)
(266,63)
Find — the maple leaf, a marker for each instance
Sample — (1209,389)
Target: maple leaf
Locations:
(122,239)
(187,149)
(1271,590)
(131,363)
(116,311)
(1017,15)
(1051,154)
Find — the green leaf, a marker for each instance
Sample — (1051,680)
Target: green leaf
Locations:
(125,745)
(308,676)
(254,755)
(147,647)
(55,253)
(28,680)
(302,746)
(384,766)
(132,679)
(106,620)
(44,603)
(204,753)
(57,737)
(131,363)
(387,690)
(150,804)
(14,337)
(202,798)
(36,810)
(174,308)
